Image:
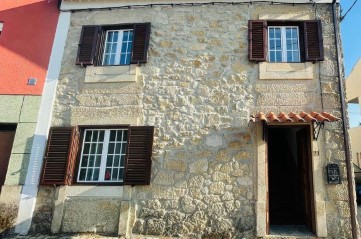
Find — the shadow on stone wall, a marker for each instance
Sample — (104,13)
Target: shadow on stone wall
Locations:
(7,218)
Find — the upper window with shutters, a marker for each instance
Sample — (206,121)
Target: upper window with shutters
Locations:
(113,45)
(285,41)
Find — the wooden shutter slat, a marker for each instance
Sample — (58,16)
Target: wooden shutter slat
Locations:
(140,43)
(87,45)
(313,40)
(257,37)
(138,164)
(60,156)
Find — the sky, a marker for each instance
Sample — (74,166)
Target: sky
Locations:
(351,43)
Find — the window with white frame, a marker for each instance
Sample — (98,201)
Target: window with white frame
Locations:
(113,45)
(103,155)
(283,44)
(118,47)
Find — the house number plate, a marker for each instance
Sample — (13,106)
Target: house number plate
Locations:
(333,174)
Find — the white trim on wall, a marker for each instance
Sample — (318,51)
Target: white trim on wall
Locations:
(30,189)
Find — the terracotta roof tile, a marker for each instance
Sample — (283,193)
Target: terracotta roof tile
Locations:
(294,118)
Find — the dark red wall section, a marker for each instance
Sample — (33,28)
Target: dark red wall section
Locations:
(25,44)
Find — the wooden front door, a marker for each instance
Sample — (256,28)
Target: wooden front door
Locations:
(289,177)
(306,182)
(7,135)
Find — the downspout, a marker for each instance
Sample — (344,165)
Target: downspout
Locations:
(349,166)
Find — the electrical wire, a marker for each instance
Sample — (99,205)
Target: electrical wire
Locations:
(343,17)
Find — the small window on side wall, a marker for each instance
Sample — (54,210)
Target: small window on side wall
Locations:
(114,44)
(279,41)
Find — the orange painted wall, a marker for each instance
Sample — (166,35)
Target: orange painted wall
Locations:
(25,44)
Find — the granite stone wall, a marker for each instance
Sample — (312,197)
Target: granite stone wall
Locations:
(198,89)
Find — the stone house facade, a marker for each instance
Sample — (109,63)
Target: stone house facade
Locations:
(186,99)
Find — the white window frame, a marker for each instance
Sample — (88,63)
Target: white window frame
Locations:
(104,155)
(118,51)
(284,44)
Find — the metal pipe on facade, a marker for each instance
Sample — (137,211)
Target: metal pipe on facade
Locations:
(349,166)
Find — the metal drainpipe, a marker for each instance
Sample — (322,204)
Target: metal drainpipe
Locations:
(349,166)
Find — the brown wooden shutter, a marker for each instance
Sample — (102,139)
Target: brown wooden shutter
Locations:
(138,164)
(313,40)
(87,45)
(257,37)
(140,43)
(60,156)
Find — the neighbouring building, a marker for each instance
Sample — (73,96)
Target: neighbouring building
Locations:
(27,29)
(353,90)
(197,120)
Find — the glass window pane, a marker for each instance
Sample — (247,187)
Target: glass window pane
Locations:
(116,161)
(96,174)
(89,174)
(115,174)
(296,56)
(101,136)
(289,56)
(125,35)
(110,36)
(271,32)
(91,161)
(124,47)
(107,47)
(125,135)
(107,174)
(112,60)
(288,33)
(97,161)
(86,148)
(272,56)
(112,135)
(295,33)
(115,36)
(117,148)
(278,44)
(278,56)
(124,148)
(289,44)
(130,35)
(100,148)
(114,48)
(121,174)
(272,44)
(111,148)
(122,159)
(278,32)
(109,160)
(95,136)
(88,135)
(84,161)
(82,175)
(92,148)
(106,60)
(294,44)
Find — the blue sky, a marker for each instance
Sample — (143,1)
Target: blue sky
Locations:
(351,42)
